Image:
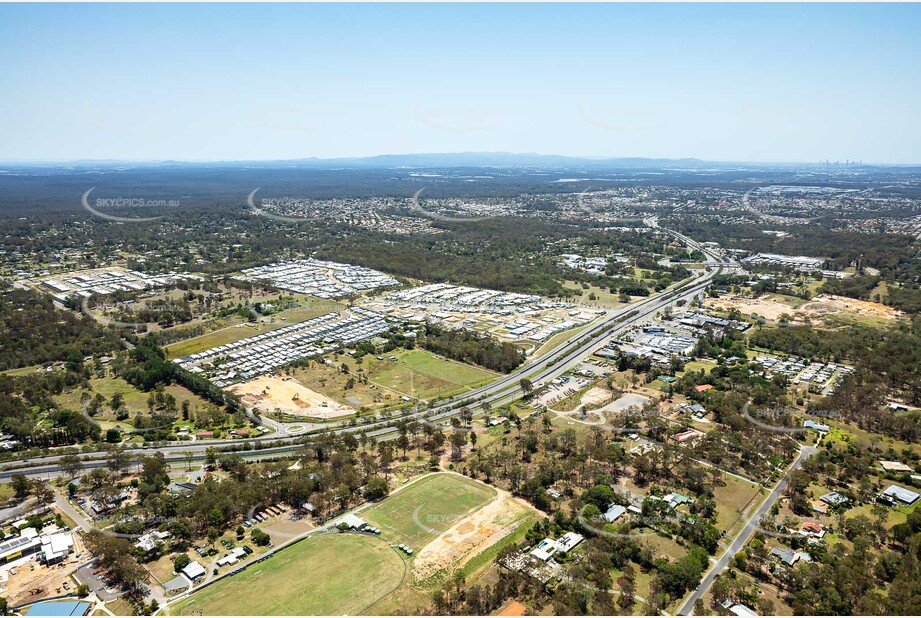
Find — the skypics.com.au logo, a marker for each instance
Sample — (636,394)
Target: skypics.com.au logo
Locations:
(441,521)
(780,420)
(123,203)
(275,204)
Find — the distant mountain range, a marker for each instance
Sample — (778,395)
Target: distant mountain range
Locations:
(499,159)
(507,160)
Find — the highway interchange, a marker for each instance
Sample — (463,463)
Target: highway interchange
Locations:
(506,389)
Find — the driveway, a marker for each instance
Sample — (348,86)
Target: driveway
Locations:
(84,575)
(60,501)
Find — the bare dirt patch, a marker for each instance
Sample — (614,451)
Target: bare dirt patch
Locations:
(596,396)
(764,307)
(625,401)
(42,581)
(286,528)
(825,303)
(288,396)
(602,415)
(820,307)
(467,538)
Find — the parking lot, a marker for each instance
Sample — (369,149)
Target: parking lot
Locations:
(87,575)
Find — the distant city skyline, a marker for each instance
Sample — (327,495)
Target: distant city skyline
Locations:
(722,82)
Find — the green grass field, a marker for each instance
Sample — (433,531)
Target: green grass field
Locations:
(697,365)
(334,574)
(419,373)
(736,494)
(23,371)
(419,513)
(217,338)
(603,296)
(843,434)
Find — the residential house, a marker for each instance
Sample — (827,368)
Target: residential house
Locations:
(811,424)
(833,498)
(787,556)
(894,493)
(614,512)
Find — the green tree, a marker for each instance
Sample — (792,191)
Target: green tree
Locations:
(527,387)
(21,485)
(72,464)
(376,488)
(181,561)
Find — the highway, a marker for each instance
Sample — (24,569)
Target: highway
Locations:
(552,364)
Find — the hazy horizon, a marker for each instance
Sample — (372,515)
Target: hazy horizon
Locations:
(218,83)
(396,155)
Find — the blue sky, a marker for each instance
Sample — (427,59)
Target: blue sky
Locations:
(228,82)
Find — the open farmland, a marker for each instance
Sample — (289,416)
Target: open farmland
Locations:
(333,574)
(421,374)
(430,506)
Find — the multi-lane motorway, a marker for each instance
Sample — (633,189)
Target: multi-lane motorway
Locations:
(560,359)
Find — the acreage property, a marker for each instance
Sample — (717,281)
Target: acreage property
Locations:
(430,506)
(331,574)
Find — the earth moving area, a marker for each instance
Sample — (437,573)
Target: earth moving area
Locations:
(819,309)
(288,396)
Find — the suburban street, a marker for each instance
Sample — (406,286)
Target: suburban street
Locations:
(741,539)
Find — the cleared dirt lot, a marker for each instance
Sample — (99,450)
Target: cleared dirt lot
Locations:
(819,308)
(837,304)
(625,401)
(596,395)
(289,397)
(43,581)
(471,535)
